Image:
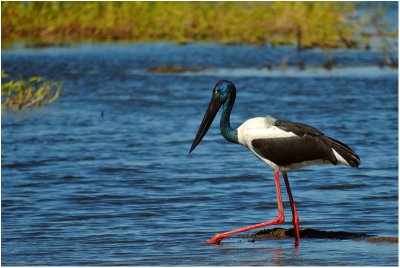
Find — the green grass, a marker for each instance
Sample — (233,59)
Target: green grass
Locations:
(305,24)
(20,94)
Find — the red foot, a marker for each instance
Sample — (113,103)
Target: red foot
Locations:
(215,240)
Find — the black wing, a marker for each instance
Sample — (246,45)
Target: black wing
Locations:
(307,145)
(312,144)
(293,150)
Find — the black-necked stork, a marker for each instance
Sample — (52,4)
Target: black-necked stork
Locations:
(281,144)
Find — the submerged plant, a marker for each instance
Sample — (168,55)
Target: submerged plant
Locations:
(20,94)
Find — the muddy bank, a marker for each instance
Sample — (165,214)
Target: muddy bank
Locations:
(282,233)
(383,239)
(172,69)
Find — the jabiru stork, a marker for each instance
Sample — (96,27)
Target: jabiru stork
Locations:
(281,144)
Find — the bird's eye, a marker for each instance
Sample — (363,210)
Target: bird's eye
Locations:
(216,92)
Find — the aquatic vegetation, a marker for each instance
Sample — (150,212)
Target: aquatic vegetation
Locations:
(304,24)
(20,94)
(171,69)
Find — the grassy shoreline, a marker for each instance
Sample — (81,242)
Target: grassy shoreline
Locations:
(304,24)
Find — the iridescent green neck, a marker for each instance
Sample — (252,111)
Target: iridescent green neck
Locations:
(229,133)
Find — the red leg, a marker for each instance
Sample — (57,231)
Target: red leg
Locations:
(295,219)
(280,219)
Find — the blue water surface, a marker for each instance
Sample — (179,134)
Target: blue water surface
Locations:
(103,176)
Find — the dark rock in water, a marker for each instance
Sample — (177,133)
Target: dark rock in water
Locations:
(268,66)
(281,233)
(329,63)
(301,65)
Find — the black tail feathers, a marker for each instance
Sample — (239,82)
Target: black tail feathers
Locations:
(344,151)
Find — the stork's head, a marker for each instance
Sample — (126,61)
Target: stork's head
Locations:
(222,91)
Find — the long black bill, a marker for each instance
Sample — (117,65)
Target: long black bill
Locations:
(208,118)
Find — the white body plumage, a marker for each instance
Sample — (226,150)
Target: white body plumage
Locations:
(264,128)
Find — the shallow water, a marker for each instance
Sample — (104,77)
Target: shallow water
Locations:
(82,189)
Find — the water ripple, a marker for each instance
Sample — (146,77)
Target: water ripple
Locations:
(80,189)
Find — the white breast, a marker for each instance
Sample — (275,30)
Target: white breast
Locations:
(260,128)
